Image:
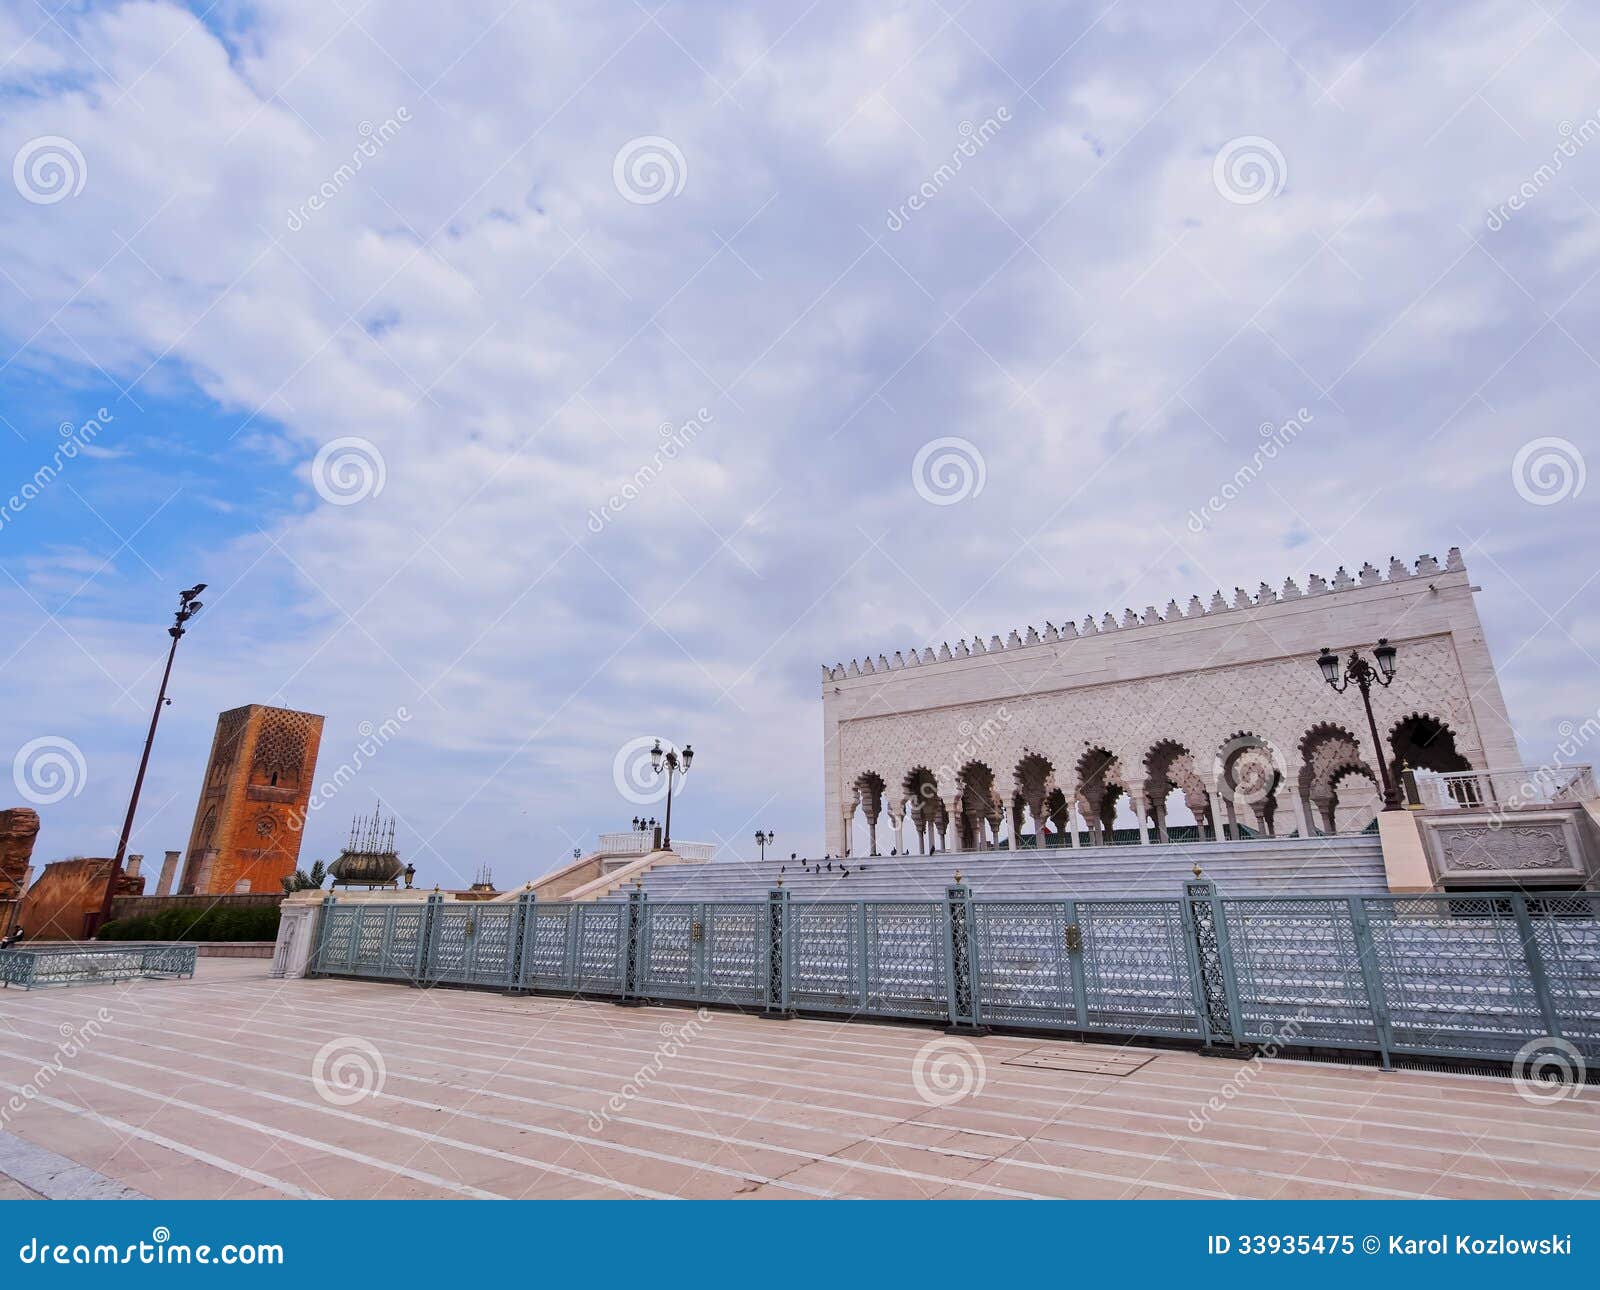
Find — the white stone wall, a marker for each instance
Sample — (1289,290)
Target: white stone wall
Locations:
(1199,677)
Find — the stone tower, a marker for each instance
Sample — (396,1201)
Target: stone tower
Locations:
(249,822)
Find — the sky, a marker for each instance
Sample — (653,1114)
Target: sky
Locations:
(531,381)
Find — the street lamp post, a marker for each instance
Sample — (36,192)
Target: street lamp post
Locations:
(672,762)
(1363,673)
(763,839)
(188,606)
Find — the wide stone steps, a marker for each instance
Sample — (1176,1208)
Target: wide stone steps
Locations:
(1319,867)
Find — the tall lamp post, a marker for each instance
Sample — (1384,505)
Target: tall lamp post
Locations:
(672,763)
(763,839)
(1360,671)
(188,606)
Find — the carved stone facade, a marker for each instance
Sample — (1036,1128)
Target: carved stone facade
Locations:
(258,781)
(1219,711)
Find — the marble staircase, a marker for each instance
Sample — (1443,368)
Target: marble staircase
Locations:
(1324,866)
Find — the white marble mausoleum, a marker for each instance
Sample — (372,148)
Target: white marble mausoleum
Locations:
(1213,715)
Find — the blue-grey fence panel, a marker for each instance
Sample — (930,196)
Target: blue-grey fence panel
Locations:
(548,963)
(1136,977)
(473,945)
(371,923)
(907,965)
(1024,966)
(826,942)
(401,958)
(336,944)
(702,950)
(735,952)
(168,960)
(1455,975)
(1298,972)
(16,968)
(372,940)
(73,964)
(601,942)
(669,945)
(1473,975)
(1566,932)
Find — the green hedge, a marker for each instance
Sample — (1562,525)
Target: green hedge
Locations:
(250,924)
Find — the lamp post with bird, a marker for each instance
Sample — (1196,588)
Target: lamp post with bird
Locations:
(189,604)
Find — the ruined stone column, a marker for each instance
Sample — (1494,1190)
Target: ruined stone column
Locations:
(169,870)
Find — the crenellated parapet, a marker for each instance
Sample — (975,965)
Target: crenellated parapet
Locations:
(1368,575)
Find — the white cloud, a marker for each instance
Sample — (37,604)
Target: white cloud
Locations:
(481,304)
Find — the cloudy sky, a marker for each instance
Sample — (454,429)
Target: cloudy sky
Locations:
(388,306)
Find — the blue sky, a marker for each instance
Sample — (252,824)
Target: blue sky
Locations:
(505,313)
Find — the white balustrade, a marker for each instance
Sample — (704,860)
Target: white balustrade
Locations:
(632,843)
(1506,788)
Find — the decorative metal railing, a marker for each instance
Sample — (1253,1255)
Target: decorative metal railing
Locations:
(73,964)
(1477,975)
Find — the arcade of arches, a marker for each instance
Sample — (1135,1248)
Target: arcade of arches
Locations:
(1325,784)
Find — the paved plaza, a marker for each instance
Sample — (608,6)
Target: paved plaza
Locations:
(236,1085)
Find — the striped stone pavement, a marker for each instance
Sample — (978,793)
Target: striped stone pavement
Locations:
(237,1085)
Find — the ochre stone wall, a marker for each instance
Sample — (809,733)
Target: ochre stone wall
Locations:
(65,894)
(18,828)
(258,781)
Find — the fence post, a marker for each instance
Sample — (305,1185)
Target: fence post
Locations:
(570,936)
(1072,943)
(427,941)
(633,932)
(321,940)
(961,960)
(777,989)
(522,922)
(1541,983)
(1371,976)
(1208,933)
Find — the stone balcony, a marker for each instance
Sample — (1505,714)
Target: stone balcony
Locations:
(1512,827)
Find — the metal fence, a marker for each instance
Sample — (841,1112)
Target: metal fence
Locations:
(1477,975)
(72,964)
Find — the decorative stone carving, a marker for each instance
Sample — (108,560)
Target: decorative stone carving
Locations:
(1476,847)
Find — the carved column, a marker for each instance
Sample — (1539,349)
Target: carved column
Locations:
(953,840)
(1138,804)
(1215,803)
(1302,816)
